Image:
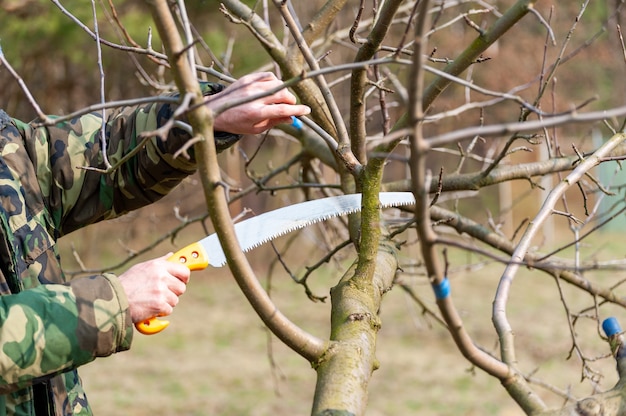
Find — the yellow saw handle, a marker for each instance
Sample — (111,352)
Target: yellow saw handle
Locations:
(195,258)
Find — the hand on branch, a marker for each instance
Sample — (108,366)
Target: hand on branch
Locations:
(261,114)
(153,287)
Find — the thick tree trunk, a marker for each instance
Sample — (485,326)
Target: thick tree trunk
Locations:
(344,371)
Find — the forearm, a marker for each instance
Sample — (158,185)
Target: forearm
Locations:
(76,196)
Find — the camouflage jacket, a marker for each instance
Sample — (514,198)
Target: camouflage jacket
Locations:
(50,326)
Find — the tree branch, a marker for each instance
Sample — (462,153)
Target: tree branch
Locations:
(201,119)
(346,367)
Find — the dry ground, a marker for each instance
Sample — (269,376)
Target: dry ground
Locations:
(216,358)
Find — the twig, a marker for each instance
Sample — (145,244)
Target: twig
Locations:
(108,104)
(419,174)
(586,369)
(501,322)
(425,309)
(295,337)
(343,148)
(621,41)
(24,88)
(525,127)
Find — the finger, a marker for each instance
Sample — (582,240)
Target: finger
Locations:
(168,301)
(163,305)
(172,300)
(166,309)
(257,77)
(284,111)
(300,110)
(265,76)
(179,271)
(280,97)
(177,287)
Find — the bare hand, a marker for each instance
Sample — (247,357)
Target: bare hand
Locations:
(153,287)
(261,114)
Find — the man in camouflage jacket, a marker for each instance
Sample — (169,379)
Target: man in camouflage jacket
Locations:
(50,326)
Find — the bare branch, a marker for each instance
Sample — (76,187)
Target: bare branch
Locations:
(305,344)
(24,88)
(501,322)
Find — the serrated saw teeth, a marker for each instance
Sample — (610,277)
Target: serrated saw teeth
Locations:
(256,231)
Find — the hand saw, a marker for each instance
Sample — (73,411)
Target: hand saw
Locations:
(258,230)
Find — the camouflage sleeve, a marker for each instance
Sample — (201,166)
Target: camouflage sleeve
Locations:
(55,327)
(76,196)
(93,326)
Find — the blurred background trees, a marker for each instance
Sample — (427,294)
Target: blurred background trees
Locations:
(485,189)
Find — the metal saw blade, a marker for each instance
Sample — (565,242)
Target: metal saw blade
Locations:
(259,230)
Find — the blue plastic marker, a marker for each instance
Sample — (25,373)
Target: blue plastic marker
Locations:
(611,327)
(442,290)
(296,123)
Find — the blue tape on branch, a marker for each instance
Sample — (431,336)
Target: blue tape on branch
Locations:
(442,290)
(610,326)
(296,123)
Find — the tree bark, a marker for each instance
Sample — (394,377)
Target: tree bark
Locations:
(344,371)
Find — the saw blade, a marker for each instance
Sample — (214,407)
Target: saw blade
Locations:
(265,227)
